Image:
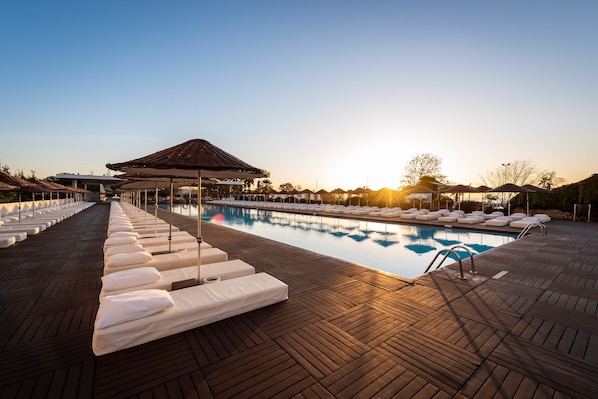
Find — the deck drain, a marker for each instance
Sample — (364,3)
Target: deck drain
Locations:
(499,275)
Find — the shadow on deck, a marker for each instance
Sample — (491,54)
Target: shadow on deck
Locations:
(346,331)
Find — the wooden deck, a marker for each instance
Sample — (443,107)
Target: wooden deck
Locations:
(345,332)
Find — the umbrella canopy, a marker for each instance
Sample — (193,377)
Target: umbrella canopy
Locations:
(195,158)
(361,190)
(321,193)
(23,186)
(386,196)
(338,191)
(534,189)
(509,188)
(460,189)
(192,158)
(419,190)
(7,187)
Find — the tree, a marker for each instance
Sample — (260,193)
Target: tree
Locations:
(520,172)
(265,185)
(286,187)
(247,183)
(423,165)
(549,180)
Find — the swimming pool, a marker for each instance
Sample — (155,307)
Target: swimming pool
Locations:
(401,249)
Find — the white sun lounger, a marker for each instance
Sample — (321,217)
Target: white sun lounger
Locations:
(473,219)
(127,280)
(169,261)
(131,237)
(542,217)
(498,221)
(191,308)
(7,241)
(15,225)
(30,230)
(524,222)
(154,250)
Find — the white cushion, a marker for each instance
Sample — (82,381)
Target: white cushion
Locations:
(122,249)
(119,241)
(119,227)
(128,259)
(117,309)
(125,234)
(130,278)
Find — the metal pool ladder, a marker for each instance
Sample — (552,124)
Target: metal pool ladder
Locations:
(530,226)
(452,251)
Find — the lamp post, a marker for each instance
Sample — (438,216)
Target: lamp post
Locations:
(506,197)
(506,165)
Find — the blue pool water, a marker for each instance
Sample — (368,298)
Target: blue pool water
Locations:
(401,249)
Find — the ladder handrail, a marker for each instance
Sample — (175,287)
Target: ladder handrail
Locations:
(530,226)
(452,251)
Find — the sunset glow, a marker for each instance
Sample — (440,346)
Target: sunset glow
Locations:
(322,94)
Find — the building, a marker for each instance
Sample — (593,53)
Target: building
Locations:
(99,187)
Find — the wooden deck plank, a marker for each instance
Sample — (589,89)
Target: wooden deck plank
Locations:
(346,331)
(544,365)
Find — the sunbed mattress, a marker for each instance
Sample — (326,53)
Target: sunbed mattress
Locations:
(225,270)
(173,260)
(193,307)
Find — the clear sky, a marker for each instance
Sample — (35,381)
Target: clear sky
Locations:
(321,93)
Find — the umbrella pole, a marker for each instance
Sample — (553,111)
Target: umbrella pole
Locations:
(145,201)
(19,207)
(156,212)
(170,218)
(199,226)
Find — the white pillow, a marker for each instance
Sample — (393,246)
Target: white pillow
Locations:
(130,278)
(122,249)
(128,259)
(125,234)
(119,241)
(117,309)
(119,227)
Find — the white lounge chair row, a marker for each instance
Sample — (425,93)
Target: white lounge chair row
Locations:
(13,230)
(136,306)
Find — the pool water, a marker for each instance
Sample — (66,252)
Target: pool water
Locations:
(402,249)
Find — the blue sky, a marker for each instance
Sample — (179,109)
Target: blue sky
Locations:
(323,94)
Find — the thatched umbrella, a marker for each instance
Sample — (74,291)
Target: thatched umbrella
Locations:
(51,187)
(360,191)
(321,193)
(509,188)
(483,189)
(195,158)
(460,189)
(420,190)
(308,192)
(7,187)
(338,192)
(385,196)
(534,189)
(23,186)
